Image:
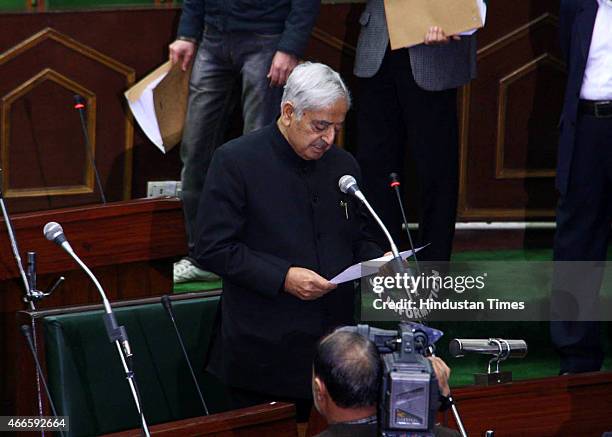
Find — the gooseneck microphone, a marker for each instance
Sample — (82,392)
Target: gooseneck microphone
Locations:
(80,104)
(53,231)
(165,300)
(116,334)
(26,330)
(394,183)
(348,185)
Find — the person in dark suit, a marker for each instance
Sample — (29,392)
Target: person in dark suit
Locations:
(241,51)
(584,168)
(411,94)
(274,225)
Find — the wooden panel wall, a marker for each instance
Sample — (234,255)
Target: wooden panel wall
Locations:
(46,58)
(510,115)
(508,122)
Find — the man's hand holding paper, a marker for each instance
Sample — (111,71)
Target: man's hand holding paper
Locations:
(413,22)
(306,284)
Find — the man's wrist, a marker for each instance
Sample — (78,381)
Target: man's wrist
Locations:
(187,38)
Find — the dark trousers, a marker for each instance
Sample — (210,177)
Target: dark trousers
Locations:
(240,398)
(224,64)
(584,215)
(393,111)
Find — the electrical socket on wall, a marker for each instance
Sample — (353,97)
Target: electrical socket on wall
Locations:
(163,188)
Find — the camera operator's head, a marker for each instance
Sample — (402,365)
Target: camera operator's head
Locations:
(346,379)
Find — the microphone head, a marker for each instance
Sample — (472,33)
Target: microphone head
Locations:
(347,184)
(165,300)
(53,232)
(394,180)
(79,102)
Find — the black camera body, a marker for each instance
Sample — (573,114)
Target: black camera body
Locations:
(409,390)
(409,397)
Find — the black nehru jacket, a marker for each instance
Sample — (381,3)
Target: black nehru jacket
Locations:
(263,210)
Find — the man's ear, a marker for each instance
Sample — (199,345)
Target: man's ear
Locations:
(320,389)
(287,113)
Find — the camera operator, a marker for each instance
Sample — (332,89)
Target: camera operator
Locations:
(347,372)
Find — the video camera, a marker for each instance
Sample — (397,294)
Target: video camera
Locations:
(410,396)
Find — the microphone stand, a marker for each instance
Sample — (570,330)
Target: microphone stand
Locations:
(394,250)
(395,183)
(118,335)
(31,294)
(26,330)
(455,411)
(15,248)
(79,105)
(395,265)
(167,304)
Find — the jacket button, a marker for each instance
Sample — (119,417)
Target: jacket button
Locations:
(315,199)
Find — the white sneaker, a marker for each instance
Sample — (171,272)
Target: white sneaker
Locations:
(185,271)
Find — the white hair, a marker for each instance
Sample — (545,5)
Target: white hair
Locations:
(314,86)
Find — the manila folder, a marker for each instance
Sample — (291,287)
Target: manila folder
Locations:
(409,20)
(170,100)
(159,104)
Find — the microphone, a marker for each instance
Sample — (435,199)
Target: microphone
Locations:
(116,334)
(80,104)
(348,185)
(395,184)
(492,346)
(165,300)
(53,231)
(26,330)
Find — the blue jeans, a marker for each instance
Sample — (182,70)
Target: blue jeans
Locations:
(224,64)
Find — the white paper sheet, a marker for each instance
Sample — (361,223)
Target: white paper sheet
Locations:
(144,113)
(355,271)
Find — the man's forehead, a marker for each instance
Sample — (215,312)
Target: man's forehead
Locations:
(334,113)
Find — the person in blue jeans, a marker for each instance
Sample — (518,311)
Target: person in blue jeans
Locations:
(239,49)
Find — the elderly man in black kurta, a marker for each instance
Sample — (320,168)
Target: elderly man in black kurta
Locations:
(274,225)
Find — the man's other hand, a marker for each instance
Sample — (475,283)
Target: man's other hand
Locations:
(435,35)
(442,372)
(182,52)
(282,66)
(306,284)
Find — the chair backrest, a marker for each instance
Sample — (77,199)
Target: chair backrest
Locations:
(87,380)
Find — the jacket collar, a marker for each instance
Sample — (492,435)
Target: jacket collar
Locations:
(282,147)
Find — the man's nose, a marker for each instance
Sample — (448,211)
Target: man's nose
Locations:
(329,135)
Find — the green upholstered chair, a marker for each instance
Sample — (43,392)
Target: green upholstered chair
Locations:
(87,380)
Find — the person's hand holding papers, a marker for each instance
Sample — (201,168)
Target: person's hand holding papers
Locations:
(182,51)
(435,35)
(306,284)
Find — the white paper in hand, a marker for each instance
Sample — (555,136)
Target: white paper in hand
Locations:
(355,271)
(144,113)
